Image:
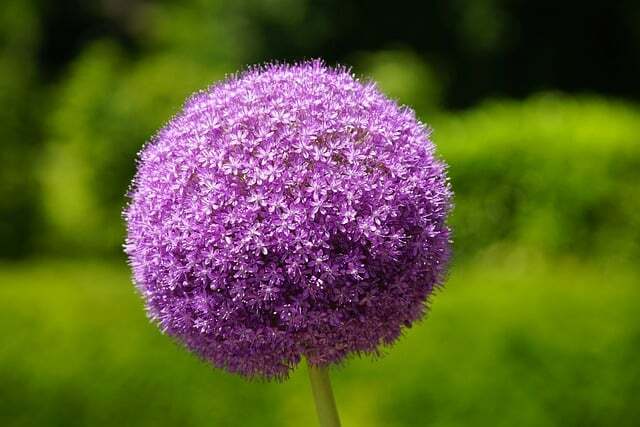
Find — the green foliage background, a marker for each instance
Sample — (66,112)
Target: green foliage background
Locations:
(539,324)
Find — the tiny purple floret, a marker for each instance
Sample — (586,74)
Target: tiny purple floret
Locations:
(290,211)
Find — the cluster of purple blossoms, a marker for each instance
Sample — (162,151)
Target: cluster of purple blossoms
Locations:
(290,211)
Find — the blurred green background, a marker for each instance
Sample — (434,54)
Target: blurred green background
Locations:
(535,107)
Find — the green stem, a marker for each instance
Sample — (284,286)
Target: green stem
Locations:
(323,396)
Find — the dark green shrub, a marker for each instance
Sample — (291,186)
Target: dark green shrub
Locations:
(21,101)
(557,173)
(105,111)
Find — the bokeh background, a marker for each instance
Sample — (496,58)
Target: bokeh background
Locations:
(535,107)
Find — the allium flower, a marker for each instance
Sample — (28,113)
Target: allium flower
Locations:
(289,211)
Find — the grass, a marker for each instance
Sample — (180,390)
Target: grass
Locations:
(511,341)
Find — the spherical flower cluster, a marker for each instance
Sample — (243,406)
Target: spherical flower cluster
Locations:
(290,211)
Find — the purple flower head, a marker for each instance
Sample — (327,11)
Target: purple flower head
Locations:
(289,211)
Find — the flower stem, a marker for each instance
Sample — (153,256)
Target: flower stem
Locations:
(323,396)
